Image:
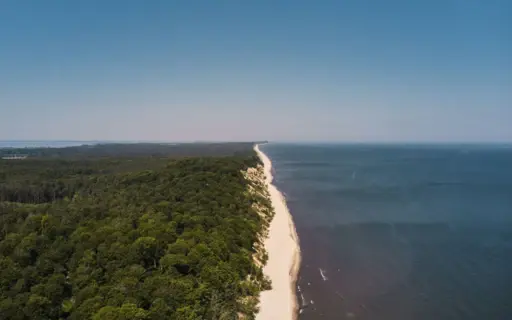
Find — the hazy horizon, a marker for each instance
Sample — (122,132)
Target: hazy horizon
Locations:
(335,71)
(298,142)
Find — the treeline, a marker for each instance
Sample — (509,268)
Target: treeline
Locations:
(126,238)
(135,150)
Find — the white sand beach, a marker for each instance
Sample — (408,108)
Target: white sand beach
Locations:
(283,263)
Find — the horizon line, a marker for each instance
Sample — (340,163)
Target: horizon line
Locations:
(422,142)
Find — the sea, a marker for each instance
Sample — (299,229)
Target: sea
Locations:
(400,232)
(43,143)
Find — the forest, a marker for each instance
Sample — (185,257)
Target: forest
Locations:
(144,233)
(134,150)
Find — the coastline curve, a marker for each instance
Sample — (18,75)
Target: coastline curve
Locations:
(282,246)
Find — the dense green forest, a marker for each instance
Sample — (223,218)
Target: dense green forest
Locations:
(134,150)
(130,235)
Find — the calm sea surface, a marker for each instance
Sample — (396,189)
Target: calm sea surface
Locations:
(400,232)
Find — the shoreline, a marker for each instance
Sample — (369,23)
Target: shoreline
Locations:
(282,246)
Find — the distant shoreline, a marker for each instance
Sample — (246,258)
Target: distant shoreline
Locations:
(282,245)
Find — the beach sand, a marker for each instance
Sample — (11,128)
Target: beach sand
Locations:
(282,245)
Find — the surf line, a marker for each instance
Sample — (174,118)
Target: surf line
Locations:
(322,273)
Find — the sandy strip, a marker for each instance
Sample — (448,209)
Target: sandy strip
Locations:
(283,263)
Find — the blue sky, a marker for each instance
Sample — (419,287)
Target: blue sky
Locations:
(344,70)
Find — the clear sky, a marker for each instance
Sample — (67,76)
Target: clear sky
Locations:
(343,70)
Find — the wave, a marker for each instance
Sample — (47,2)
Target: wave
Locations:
(322,274)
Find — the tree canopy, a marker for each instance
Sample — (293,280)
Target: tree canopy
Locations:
(128,237)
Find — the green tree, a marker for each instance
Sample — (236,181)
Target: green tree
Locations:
(127,311)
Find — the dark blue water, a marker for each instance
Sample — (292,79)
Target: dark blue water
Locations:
(400,232)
